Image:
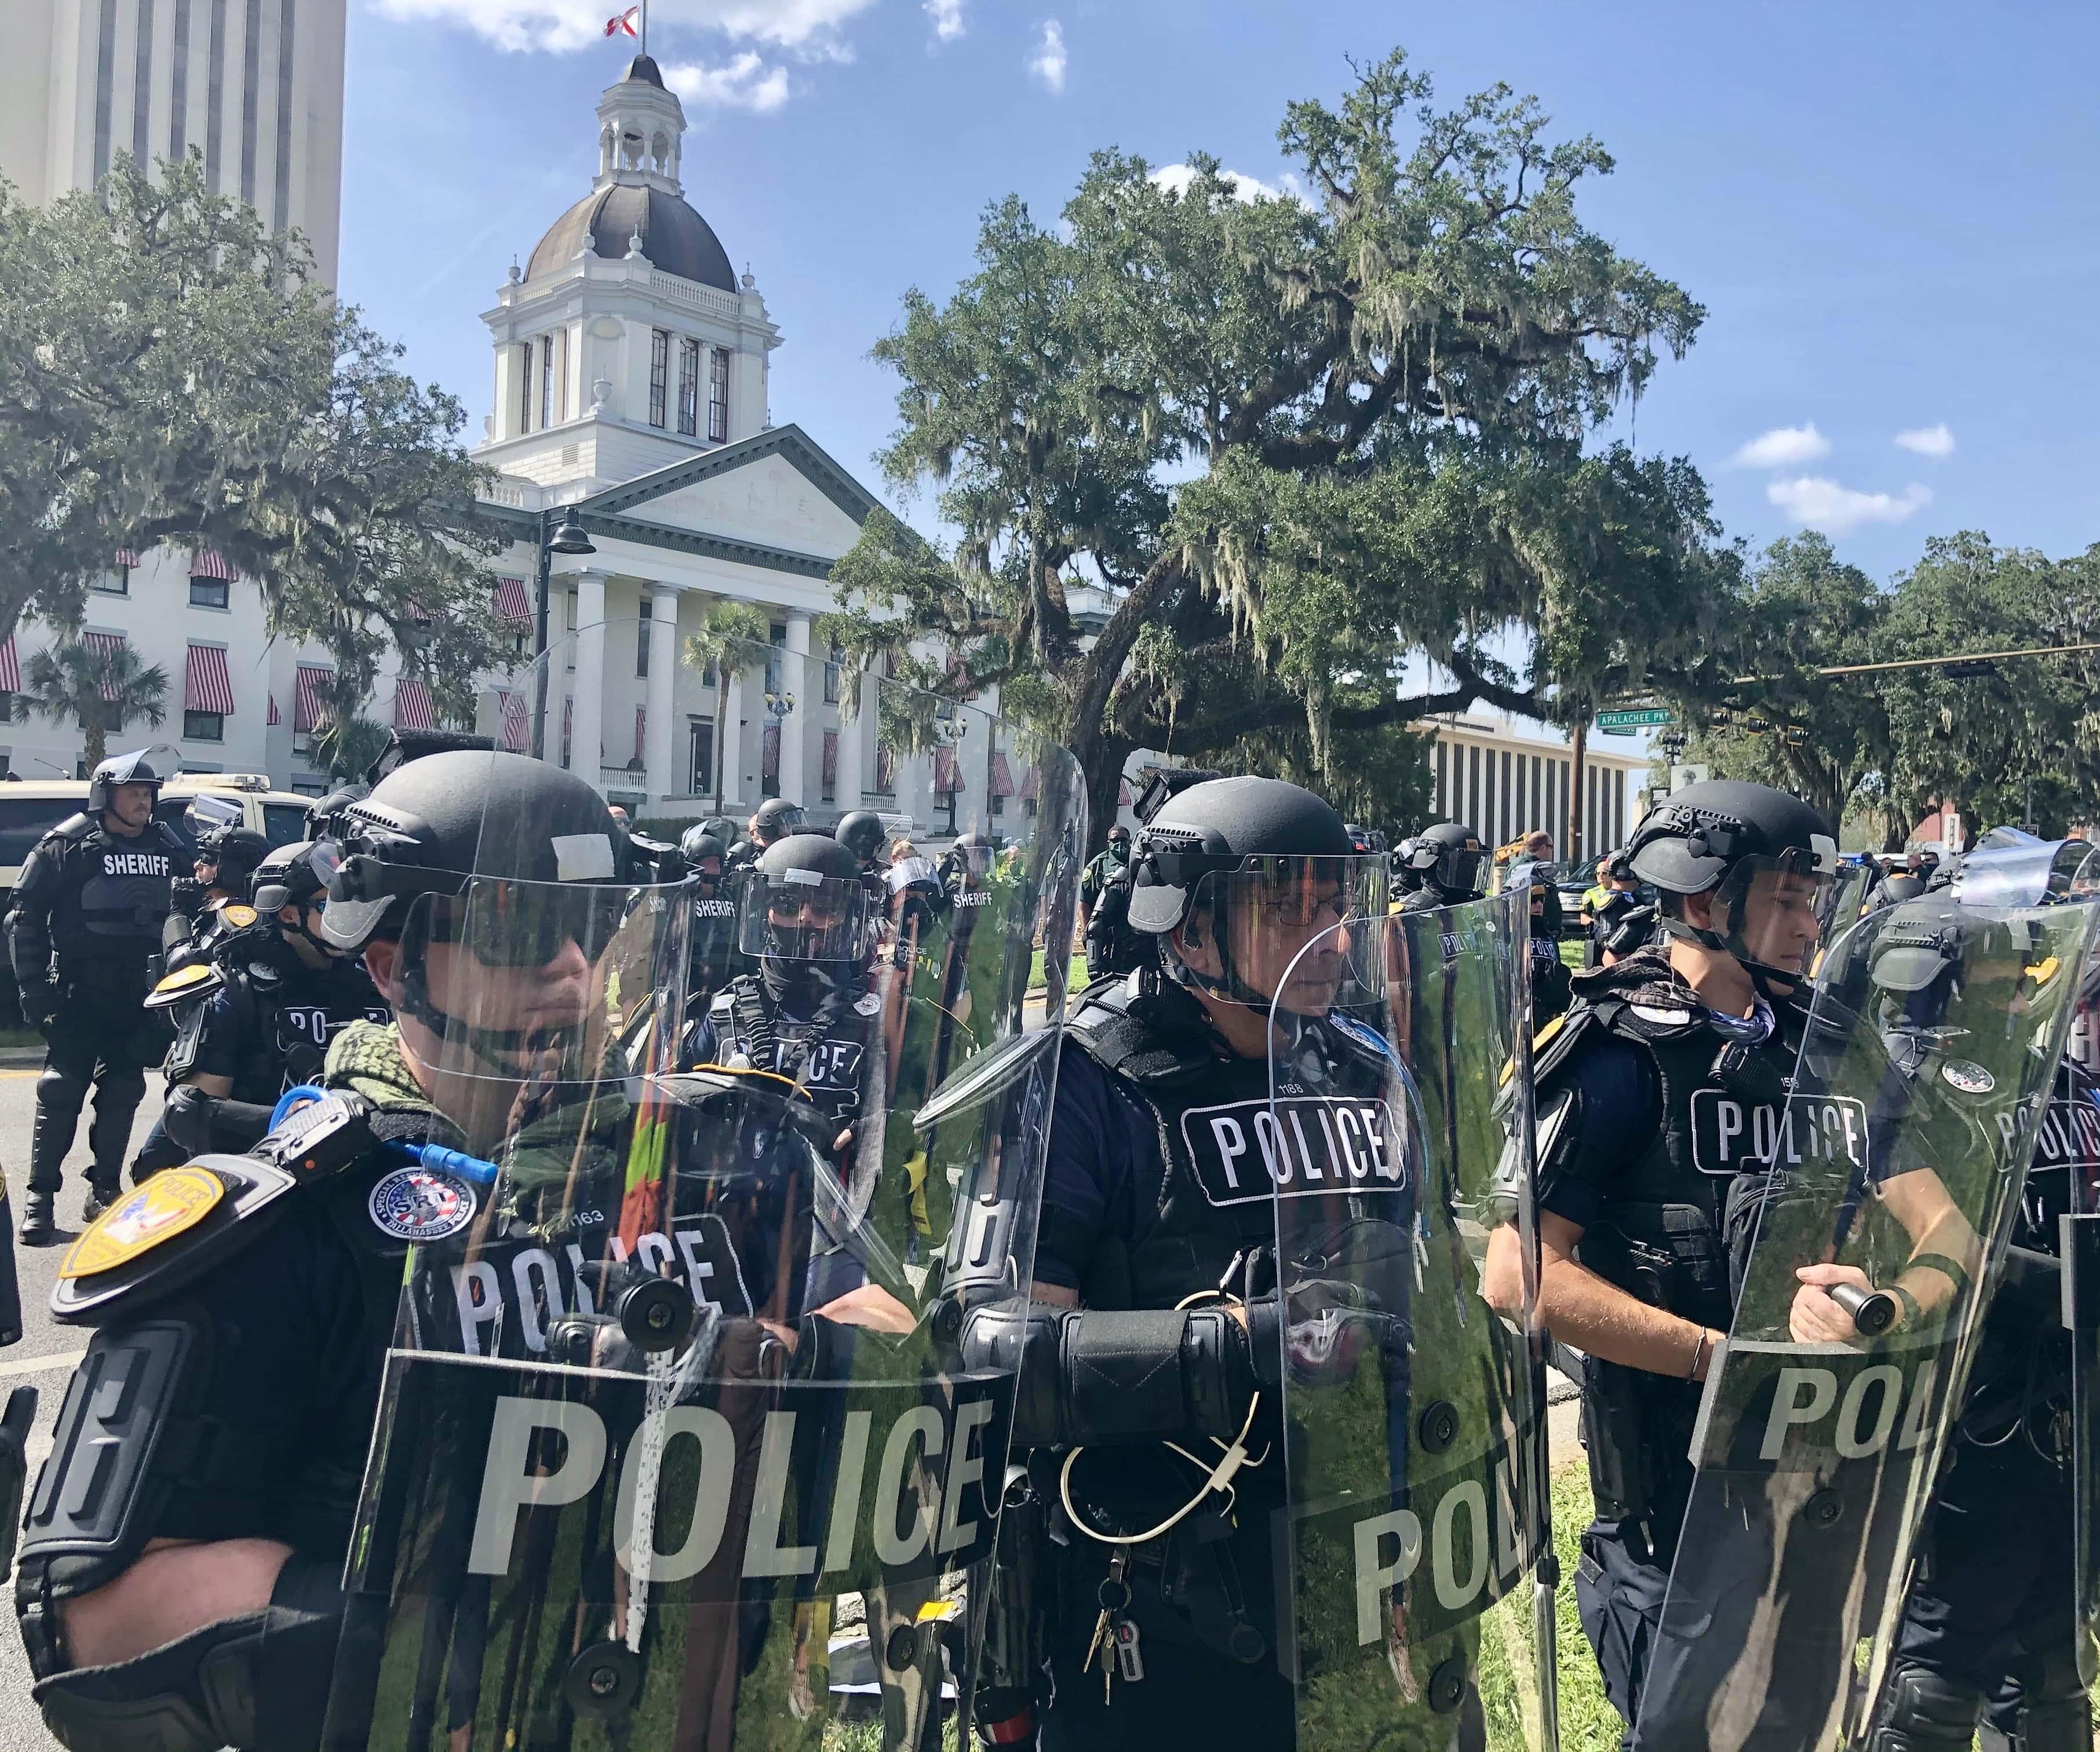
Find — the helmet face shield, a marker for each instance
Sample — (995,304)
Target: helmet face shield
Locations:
(543,981)
(803,915)
(1771,911)
(1246,928)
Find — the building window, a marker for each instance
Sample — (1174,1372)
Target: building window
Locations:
(204,726)
(700,748)
(546,382)
(718,395)
(208,593)
(688,387)
(777,635)
(525,388)
(659,372)
(832,675)
(116,582)
(886,770)
(641,646)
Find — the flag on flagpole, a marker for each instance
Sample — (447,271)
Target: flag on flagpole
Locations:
(628,24)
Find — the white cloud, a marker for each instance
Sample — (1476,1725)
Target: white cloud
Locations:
(1817,504)
(1175,178)
(1782,447)
(744,82)
(1047,62)
(1935,441)
(806,28)
(947,17)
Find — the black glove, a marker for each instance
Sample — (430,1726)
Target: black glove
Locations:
(40,1002)
(15,1425)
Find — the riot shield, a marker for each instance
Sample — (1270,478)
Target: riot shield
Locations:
(2075,1115)
(1867,1230)
(1398,1147)
(676,1447)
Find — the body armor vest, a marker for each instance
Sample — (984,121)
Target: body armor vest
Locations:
(1726,1111)
(296,1010)
(826,1053)
(1222,1153)
(113,893)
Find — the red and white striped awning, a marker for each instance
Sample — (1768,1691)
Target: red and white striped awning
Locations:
(640,730)
(1001,777)
(769,754)
(276,717)
(1123,798)
(307,701)
(1031,785)
(127,558)
(947,781)
(517,722)
(412,705)
(206,686)
(511,602)
(11,667)
(207,563)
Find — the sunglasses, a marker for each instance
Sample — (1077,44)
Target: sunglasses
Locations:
(527,924)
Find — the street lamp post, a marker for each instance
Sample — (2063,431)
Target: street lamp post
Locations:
(563,536)
(778,705)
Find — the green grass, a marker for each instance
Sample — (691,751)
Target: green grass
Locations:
(1588,1722)
(1039,977)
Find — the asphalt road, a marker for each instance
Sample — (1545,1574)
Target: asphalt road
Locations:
(47,1352)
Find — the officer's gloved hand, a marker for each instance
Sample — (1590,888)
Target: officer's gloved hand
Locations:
(40,1003)
(15,1426)
(1320,1329)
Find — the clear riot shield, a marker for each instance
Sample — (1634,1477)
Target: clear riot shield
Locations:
(2075,1116)
(1873,1232)
(1398,1140)
(676,1447)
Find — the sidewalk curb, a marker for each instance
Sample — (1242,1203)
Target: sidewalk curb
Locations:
(14,1057)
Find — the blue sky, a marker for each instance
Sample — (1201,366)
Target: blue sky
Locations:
(1888,210)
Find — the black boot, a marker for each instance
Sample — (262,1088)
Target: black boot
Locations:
(39,1226)
(101,1195)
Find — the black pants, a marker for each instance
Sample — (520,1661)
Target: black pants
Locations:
(1993,1606)
(1619,1591)
(105,1047)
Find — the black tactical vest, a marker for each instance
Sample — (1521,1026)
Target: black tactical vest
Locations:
(827,1053)
(113,893)
(296,1010)
(1223,1154)
(1726,1110)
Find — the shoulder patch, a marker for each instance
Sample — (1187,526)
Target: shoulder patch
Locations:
(179,1225)
(184,984)
(1365,1035)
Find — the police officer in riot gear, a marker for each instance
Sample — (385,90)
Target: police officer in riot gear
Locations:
(1989,1630)
(1551,987)
(862,832)
(1449,862)
(1113,947)
(1651,1090)
(201,1604)
(714,913)
(1152,1259)
(808,1012)
(774,820)
(225,862)
(85,924)
(282,993)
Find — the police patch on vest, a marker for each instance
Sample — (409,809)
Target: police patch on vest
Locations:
(1729,1135)
(422,1204)
(1970,1078)
(1246,1151)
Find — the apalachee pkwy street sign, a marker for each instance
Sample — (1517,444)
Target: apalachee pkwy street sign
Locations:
(1636,718)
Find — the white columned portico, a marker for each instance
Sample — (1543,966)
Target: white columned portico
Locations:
(795,678)
(659,739)
(587,734)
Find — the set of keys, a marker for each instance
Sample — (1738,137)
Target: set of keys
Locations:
(1115,1640)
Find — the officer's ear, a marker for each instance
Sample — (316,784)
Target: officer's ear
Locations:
(1696,910)
(1193,943)
(382,959)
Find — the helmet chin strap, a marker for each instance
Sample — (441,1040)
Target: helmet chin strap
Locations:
(1774,985)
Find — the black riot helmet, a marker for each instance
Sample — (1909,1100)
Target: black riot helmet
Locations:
(1249,870)
(1720,837)
(776,818)
(236,853)
(506,861)
(862,832)
(322,812)
(971,854)
(1448,860)
(296,875)
(802,913)
(1406,879)
(696,843)
(141,765)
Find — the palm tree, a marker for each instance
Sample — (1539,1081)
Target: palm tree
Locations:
(100,687)
(347,745)
(733,636)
